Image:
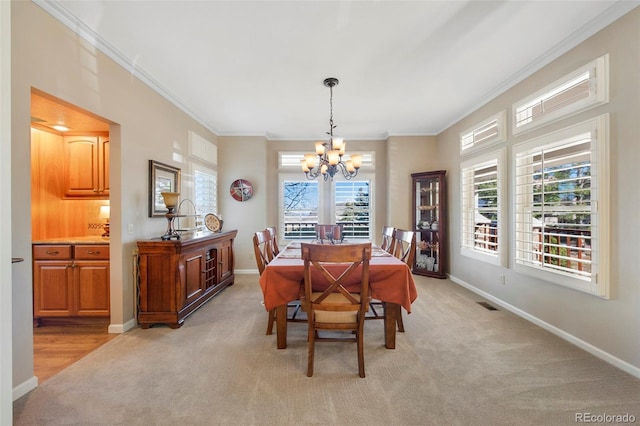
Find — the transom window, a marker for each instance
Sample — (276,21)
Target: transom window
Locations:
(584,88)
(490,131)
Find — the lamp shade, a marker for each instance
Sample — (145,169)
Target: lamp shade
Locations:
(105,212)
(170,199)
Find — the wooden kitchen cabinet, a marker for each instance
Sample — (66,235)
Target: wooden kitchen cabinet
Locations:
(70,280)
(177,276)
(86,167)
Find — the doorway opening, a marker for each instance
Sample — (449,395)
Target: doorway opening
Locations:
(70,209)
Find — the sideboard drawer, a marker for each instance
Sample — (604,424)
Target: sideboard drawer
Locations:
(51,252)
(92,251)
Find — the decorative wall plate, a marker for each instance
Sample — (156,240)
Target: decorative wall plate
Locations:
(212,222)
(241,190)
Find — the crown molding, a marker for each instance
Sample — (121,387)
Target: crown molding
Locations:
(613,13)
(63,15)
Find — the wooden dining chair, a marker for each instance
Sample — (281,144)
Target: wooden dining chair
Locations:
(264,254)
(377,306)
(326,232)
(404,248)
(274,240)
(388,232)
(336,308)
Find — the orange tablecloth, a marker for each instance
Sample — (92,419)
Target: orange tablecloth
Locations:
(390,278)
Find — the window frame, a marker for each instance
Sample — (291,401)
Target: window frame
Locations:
(197,168)
(501,134)
(598,70)
(289,170)
(500,258)
(598,282)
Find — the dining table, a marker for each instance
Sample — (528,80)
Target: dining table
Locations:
(390,281)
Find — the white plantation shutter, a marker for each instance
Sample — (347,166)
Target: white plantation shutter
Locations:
(584,88)
(561,205)
(482,229)
(353,208)
(206,191)
(485,133)
(300,209)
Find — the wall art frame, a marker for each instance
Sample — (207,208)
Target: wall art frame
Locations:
(162,178)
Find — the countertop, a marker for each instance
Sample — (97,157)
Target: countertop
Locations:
(92,239)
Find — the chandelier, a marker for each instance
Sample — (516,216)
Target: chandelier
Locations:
(327,160)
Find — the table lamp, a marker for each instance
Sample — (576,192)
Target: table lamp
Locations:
(171,202)
(105,213)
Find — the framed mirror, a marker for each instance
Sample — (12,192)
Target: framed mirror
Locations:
(162,178)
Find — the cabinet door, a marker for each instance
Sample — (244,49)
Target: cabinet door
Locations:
(91,284)
(103,162)
(52,288)
(225,261)
(194,266)
(81,165)
(86,166)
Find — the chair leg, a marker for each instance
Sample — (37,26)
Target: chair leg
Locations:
(399,322)
(360,339)
(272,318)
(312,341)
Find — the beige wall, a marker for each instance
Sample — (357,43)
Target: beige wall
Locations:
(406,155)
(243,158)
(609,328)
(6,344)
(48,56)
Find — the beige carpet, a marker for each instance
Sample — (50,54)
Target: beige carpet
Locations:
(457,364)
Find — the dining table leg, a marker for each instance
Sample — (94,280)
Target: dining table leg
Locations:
(281,326)
(391,312)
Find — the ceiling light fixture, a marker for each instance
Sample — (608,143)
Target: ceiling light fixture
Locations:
(60,128)
(329,154)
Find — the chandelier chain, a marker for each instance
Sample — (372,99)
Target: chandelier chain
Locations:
(331,111)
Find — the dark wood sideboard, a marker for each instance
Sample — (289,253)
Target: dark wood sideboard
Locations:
(177,276)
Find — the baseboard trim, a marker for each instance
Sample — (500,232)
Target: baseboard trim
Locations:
(245,271)
(121,328)
(603,355)
(25,387)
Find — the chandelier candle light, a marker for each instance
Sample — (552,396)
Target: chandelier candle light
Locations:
(329,154)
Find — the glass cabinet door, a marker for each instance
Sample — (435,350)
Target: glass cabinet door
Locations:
(429,219)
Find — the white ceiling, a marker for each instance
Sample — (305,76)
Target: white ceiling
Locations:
(405,67)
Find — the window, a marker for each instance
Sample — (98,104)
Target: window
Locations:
(300,208)
(582,89)
(206,190)
(482,181)
(304,203)
(561,207)
(484,134)
(352,208)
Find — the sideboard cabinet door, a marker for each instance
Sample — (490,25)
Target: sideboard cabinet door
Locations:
(194,265)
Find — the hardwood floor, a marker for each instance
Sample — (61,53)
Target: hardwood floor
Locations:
(56,347)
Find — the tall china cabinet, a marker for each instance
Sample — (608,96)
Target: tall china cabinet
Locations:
(430,223)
